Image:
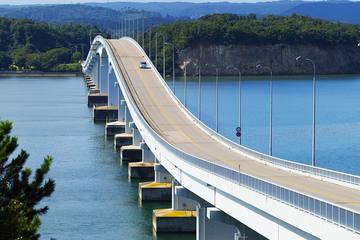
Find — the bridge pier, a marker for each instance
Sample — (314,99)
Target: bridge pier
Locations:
(125,138)
(113,128)
(95,99)
(133,152)
(180,218)
(145,168)
(105,113)
(91,89)
(103,73)
(158,190)
(117,127)
(112,88)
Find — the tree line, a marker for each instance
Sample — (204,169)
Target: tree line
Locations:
(229,29)
(29,45)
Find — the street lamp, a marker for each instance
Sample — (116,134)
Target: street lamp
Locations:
(156,50)
(299,58)
(216,97)
(185,84)
(259,66)
(199,97)
(150,43)
(239,100)
(164,73)
(143,30)
(173,64)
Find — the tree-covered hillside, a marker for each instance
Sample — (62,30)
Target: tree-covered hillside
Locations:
(104,18)
(229,29)
(29,45)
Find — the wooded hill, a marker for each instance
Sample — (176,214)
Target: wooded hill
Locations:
(29,45)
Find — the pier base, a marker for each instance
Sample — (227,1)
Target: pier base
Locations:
(113,128)
(97,99)
(122,139)
(174,221)
(154,191)
(141,170)
(131,153)
(90,84)
(105,113)
(92,91)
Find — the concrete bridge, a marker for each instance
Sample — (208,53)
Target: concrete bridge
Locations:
(217,187)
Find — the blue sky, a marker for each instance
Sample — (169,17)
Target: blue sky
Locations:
(82,1)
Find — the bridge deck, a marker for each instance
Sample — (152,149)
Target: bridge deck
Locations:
(165,117)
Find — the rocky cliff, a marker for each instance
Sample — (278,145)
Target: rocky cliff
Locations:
(338,59)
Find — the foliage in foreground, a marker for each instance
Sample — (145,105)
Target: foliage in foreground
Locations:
(19,195)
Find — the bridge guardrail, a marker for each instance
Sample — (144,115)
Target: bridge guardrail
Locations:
(341,216)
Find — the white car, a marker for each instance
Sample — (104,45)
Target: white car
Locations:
(143,65)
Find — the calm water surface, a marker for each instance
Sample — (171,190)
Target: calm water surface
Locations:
(93,197)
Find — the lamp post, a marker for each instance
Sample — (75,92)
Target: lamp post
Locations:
(259,66)
(156,50)
(150,43)
(199,97)
(299,58)
(216,97)
(239,100)
(137,29)
(164,72)
(143,31)
(173,64)
(185,85)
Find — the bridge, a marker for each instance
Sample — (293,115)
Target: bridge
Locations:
(224,181)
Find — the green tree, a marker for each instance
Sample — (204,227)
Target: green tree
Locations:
(19,196)
(5,61)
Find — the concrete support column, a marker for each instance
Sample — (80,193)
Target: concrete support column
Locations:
(180,218)
(217,225)
(103,74)
(95,69)
(112,88)
(162,175)
(121,104)
(128,119)
(200,223)
(147,155)
(137,139)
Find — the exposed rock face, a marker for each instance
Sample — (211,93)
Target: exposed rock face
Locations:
(281,57)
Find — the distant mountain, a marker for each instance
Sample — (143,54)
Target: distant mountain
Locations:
(196,10)
(348,12)
(104,18)
(342,11)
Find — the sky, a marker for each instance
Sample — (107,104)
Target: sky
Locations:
(17,2)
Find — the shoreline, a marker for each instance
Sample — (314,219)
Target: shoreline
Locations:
(39,74)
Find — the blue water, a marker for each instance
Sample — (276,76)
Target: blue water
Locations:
(93,198)
(337,115)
